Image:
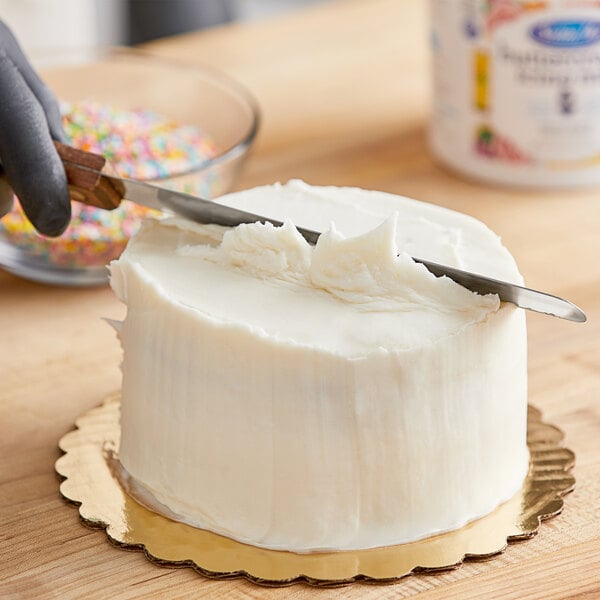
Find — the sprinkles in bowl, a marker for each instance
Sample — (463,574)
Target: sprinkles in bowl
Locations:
(139,144)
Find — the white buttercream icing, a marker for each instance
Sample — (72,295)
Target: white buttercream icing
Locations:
(337,396)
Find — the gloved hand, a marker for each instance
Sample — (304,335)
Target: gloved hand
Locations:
(29,121)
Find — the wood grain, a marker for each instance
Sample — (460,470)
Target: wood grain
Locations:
(84,174)
(344,93)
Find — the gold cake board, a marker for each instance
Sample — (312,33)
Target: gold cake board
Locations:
(92,483)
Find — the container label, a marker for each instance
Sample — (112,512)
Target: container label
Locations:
(566,34)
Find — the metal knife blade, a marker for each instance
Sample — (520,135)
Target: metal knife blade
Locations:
(205,211)
(509,292)
(90,183)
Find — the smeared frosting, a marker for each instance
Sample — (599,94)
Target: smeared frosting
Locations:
(345,295)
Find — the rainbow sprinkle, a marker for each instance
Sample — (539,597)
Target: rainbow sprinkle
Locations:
(140,144)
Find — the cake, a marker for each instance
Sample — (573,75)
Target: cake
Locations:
(332,397)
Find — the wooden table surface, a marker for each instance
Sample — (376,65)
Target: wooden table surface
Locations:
(344,94)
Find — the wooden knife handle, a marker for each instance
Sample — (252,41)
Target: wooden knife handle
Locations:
(86,181)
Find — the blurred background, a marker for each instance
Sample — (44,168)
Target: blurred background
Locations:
(59,31)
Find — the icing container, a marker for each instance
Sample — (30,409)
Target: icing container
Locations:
(516,90)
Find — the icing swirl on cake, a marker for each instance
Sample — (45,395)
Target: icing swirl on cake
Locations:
(345,295)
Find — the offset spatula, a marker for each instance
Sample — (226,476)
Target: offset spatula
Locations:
(91,185)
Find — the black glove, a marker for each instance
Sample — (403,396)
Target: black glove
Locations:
(29,121)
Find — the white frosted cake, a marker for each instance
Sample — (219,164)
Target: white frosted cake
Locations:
(330,397)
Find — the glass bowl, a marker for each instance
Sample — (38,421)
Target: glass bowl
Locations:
(206,101)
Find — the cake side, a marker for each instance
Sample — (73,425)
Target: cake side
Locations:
(325,442)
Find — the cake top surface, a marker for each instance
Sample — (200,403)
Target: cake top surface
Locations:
(355,293)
